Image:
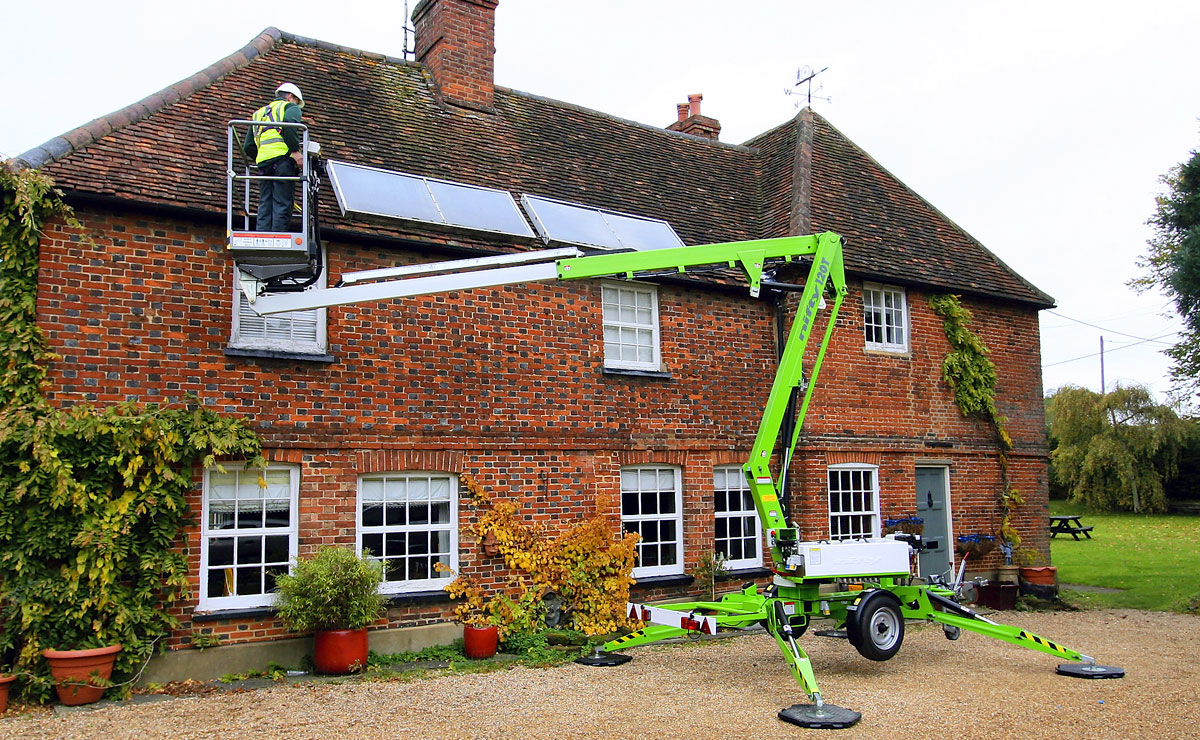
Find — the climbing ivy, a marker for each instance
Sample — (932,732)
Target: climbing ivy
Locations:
(972,378)
(92,500)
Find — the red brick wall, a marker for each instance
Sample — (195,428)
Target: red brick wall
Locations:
(507,384)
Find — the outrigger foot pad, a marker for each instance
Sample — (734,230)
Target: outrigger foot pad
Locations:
(604,659)
(824,717)
(1087,670)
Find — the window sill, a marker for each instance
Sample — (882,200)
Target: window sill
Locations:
(219,615)
(897,352)
(661,374)
(670,580)
(277,354)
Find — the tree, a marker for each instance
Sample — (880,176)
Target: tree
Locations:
(1116,451)
(1172,264)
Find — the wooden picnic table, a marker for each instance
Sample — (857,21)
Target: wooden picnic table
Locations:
(1069,524)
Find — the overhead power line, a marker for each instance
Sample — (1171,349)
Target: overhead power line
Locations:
(1114,349)
(1110,331)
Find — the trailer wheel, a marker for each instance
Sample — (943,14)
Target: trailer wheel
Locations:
(876,626)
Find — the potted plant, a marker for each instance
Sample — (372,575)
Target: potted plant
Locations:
(335,595)
(8,660)
(488,618)
(81,675)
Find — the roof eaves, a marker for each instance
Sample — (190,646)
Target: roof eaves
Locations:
(1038,293)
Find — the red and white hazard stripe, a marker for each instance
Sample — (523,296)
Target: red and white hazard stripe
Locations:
(673,618)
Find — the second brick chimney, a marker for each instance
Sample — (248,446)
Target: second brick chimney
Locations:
(691,122)
(456,40)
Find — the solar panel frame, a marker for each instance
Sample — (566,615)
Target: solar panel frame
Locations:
(425,206)
(606,229)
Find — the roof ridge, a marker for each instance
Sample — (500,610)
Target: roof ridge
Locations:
(626,121)
(949,221)
(91,132)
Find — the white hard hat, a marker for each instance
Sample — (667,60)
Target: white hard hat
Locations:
(288,87)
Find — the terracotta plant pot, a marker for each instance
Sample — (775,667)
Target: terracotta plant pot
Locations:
(71,670)
(480,642)
(5,683)
(1045,575)
(339,652)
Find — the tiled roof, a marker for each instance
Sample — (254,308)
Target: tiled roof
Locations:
(370,109)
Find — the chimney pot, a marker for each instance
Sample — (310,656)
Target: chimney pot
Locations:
(684,109)
(694,104)
(691,122)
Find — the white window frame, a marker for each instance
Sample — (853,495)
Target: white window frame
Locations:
(892,319)
(675,489)
(209,534)
(849,508)
(611,294)
(243,338)
(436,581)
(729,479)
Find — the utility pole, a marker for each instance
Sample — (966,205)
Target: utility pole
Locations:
(1102,386)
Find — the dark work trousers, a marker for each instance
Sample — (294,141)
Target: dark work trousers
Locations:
(275,196)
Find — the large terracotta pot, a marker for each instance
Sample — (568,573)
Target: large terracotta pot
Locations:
(480,642)
(340,651)
(71,670)
(5,683)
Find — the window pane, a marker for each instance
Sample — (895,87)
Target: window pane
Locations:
(249,550)
(372,515)
(220,551)
(249,581)
(374,543)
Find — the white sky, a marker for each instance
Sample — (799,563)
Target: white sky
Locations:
(1041,128)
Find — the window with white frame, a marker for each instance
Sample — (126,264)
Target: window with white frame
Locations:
(296,331)
(652,506)
(248,534)
(738,536)
(631,337)
(885,318)
(409,523)
(853,501)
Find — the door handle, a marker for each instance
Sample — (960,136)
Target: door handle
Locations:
(929,498)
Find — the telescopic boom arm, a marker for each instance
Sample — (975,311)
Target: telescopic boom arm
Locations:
(827,271)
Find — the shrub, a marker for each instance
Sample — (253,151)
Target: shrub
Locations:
(332,590)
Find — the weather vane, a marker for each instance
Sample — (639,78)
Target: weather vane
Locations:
(804,76)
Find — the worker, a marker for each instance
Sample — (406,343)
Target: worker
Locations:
(276,153)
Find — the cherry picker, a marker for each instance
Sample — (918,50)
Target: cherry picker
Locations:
(864,586)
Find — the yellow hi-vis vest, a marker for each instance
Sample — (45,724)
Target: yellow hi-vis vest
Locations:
(269,141)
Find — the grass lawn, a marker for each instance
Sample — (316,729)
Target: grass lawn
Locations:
(1154,559)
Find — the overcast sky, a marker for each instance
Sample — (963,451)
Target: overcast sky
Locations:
(1041,128)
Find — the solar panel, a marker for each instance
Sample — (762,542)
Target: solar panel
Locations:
(369,191)
(571,223)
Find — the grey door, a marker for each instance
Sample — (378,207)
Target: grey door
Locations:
(933,507)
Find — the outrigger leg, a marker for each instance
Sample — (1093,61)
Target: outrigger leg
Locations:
(818,715)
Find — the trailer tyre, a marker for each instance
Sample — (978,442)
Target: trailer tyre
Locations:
(875,625)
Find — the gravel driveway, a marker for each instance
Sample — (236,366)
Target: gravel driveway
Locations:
(732,688)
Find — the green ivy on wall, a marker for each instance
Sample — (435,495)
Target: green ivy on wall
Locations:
(92,500)
(971,375)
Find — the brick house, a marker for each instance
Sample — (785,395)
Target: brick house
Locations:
(366,404)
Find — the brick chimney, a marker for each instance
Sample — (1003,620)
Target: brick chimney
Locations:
(456,39)
(691,122)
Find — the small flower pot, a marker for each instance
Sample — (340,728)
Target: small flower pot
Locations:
(73,669)
(5,684)
(480,642)
(339,652)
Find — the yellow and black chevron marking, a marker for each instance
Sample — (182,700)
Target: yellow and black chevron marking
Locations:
(1041,641)
(627,638)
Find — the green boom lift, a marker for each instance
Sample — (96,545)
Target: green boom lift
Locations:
(871,612)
